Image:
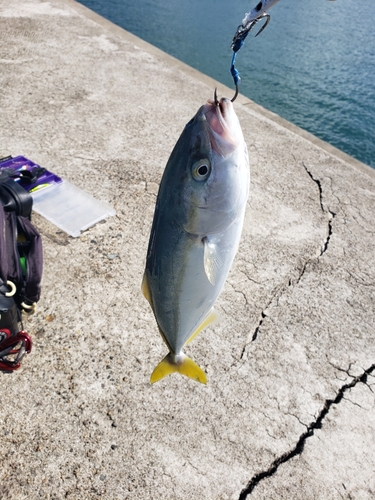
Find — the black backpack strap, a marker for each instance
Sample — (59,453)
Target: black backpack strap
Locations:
(30,255)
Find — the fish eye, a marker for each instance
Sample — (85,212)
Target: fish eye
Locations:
(201,170)
(258,7)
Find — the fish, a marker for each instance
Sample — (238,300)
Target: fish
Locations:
(196,229)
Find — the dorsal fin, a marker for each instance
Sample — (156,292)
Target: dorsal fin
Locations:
(146,290)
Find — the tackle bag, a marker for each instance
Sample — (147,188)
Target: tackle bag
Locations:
(21,265)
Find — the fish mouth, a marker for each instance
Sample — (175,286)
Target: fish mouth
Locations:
(224,128)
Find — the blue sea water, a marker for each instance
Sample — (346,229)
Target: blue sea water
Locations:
(314,64)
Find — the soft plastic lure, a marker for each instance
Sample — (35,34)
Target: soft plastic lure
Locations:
(249,21)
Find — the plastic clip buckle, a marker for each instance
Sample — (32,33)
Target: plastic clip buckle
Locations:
(8,347)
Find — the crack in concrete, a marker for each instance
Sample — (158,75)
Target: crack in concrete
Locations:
(240,292)
(359,280)
(291,282)
(262,316)
(331,214)
(318,183)
(255,334)
(276,297)
(302,272)
(299,447)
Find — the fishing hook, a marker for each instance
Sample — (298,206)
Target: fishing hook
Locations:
(235,94)
(216,100)
(243,31)
(265,24)
(215,97)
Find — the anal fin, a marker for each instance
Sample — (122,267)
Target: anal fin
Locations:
(208,320)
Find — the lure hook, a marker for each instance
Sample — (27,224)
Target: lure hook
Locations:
(265,24)
(243,31)
(216,100)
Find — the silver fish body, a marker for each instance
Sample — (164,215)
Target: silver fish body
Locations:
(196,230)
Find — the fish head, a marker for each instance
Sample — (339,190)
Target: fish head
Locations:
(216,178)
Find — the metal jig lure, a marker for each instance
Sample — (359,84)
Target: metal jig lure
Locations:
(250,20)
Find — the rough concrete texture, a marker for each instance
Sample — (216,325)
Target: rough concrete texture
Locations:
(288,412)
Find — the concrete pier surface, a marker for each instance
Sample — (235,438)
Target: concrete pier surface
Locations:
(288,411)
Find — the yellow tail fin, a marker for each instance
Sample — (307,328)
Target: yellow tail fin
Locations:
(182,364)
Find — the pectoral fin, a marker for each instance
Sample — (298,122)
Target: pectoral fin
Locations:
(183,365)
(212,261)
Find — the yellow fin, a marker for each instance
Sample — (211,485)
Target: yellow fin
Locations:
(145,289)
(210,318)
(184,365)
